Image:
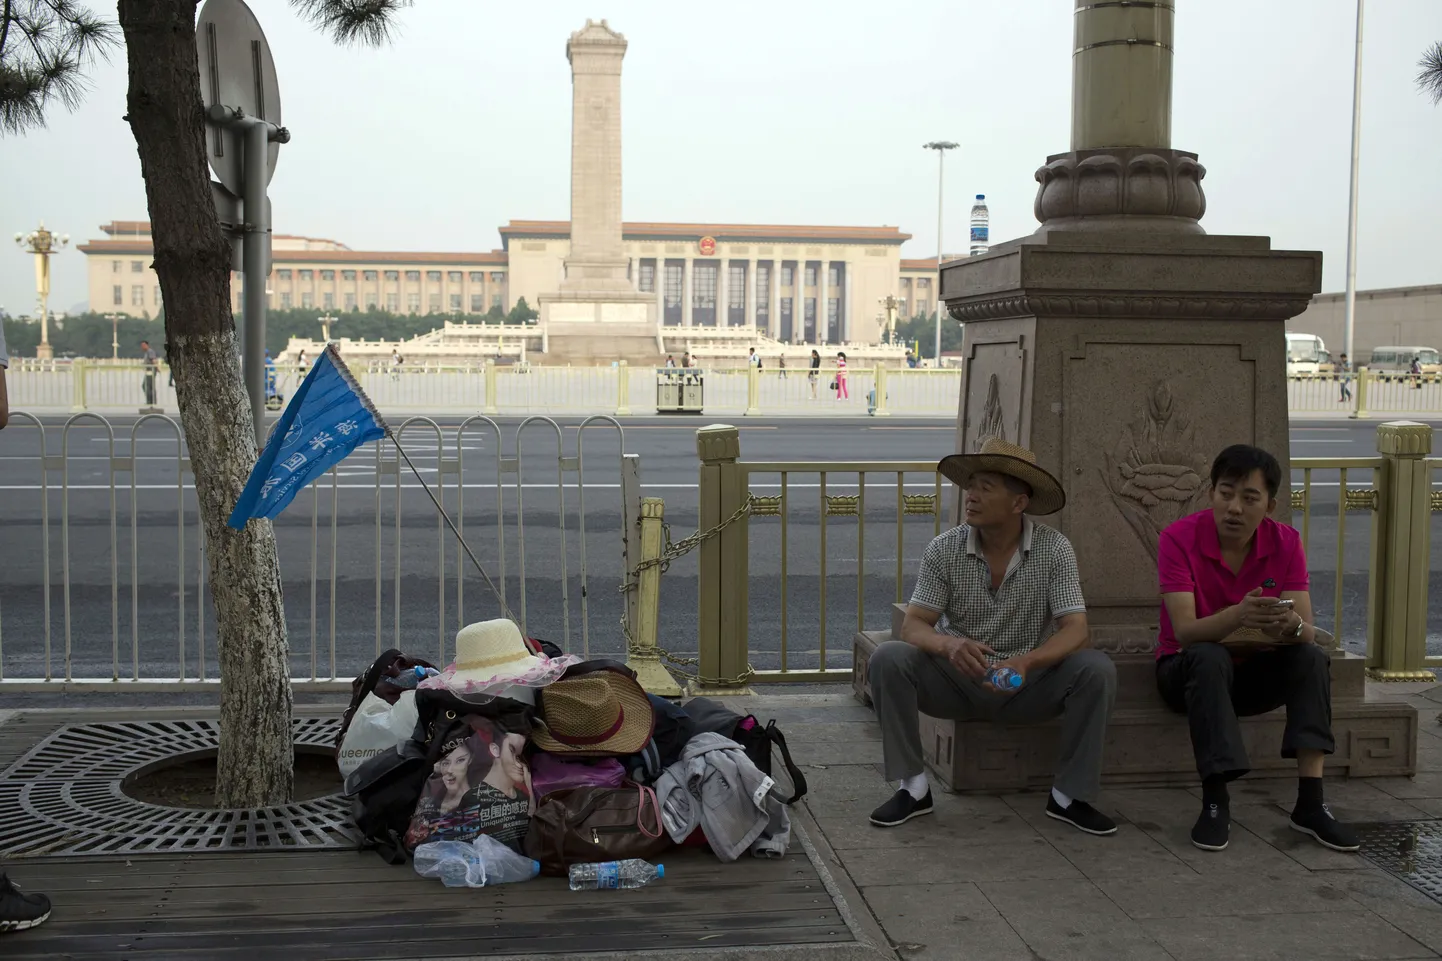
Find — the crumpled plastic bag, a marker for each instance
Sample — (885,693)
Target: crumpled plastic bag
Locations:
(376,727)
(473,864)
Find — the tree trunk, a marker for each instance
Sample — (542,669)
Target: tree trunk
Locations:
(192,260)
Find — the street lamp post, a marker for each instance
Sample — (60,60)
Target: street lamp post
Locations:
(890,304)
(941,147)
(114,335)
(325,323)
(1351,296)
(42,243)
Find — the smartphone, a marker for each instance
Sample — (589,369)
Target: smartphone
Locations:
(1284,602)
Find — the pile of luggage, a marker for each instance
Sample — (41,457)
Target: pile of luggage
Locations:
(562,760)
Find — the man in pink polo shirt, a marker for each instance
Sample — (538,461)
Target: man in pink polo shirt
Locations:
(1229,569)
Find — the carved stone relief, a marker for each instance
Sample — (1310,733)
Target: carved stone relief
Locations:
(993,420)
(1155,473)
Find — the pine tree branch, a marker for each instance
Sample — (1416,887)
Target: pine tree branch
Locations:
(363,22)
(1429,78)
(61,41)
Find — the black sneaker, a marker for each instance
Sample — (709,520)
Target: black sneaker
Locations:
(20,912)
(1213,828)
(1329,832)
(901,808)
(1082,816)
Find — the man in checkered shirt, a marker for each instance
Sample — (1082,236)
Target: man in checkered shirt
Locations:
(1000,591)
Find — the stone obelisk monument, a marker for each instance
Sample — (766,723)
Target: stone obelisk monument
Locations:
(1120,341)
(596,288)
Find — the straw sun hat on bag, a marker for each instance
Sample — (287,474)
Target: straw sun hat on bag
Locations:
(492,659)
(598,713)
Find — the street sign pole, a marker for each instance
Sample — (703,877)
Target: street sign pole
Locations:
(242,100)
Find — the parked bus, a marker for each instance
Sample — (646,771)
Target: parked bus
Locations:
(1400,359)
(1306,354)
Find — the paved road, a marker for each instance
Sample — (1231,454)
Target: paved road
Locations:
(562,601)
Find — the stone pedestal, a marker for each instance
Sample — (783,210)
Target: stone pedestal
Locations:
(1126,362)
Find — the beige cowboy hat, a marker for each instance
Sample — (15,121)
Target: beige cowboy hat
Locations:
(999,457)
(492,658)
(594,713)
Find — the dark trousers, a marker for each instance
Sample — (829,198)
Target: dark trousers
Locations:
(1204,683)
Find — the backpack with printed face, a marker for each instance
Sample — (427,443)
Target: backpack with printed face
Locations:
(480,783)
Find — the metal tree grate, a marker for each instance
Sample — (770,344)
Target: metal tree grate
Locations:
(64,797)
(1408,850)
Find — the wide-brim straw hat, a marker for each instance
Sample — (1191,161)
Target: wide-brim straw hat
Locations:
(999,457)
(492,656)
(598,713)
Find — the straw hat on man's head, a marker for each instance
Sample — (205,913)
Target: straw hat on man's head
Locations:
(595,713)
(999,457)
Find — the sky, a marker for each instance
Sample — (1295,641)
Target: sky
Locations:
(799,112)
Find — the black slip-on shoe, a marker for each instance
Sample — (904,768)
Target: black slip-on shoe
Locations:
(1328,831)
(1213,828)
(18,911)
(901,808)
(1082,816)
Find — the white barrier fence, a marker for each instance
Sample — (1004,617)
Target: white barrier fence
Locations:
(121,386)
(95,513)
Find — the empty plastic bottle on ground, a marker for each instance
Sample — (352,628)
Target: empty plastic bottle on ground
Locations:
(980,226)
(473,864)
(615,874)
(1004,678)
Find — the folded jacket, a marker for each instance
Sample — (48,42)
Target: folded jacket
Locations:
(716,787)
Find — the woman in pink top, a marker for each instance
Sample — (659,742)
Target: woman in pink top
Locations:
(841,393)
(1233,569)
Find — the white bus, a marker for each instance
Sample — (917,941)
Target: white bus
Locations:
(1306,354)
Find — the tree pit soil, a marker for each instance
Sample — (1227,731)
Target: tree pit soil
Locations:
(191,784)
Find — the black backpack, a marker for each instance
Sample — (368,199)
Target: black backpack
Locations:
(384,790)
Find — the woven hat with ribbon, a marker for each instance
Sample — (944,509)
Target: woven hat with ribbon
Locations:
(999,457)
(598,713)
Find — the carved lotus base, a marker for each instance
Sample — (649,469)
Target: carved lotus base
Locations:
(1132,188)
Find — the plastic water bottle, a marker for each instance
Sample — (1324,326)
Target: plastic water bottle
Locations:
(1004,678)
(980,226)
(474,864)
(409,679)
(615,874)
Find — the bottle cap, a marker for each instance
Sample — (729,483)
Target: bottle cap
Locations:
(660,870)
(536,866)
(981,196)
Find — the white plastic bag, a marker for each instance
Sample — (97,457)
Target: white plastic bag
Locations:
(473,864)
(376,727)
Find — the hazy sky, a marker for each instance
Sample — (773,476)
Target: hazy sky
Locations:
(785,112)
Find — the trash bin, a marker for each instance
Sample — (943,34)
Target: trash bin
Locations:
(679,391)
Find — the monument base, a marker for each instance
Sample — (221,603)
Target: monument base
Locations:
(588,328)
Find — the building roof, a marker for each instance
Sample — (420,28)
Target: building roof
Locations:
(1423,290)
(492,258)
(776,233)
(127,228)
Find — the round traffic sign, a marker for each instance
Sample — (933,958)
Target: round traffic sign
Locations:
(236,70)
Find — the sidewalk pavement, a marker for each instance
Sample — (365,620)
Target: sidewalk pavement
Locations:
(990,878)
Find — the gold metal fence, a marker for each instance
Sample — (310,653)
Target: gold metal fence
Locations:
(1394,492)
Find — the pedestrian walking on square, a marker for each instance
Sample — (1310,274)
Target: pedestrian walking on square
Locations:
(781,365)
(841,391)
(1344,371)
(815,372)
(147,383)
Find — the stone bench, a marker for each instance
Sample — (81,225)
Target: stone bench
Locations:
(1147,743)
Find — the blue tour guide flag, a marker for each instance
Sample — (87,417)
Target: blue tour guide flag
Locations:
(328,417)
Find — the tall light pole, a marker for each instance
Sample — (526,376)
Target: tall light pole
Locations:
(1352,195)
(42,243)
(941,147)
(114,335)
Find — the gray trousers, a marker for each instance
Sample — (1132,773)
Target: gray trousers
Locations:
(906,681)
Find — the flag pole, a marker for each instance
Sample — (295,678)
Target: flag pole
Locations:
(505,608)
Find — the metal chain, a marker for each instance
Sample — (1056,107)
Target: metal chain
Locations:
(670,552)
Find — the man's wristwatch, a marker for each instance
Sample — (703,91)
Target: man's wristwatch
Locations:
(1297,631)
